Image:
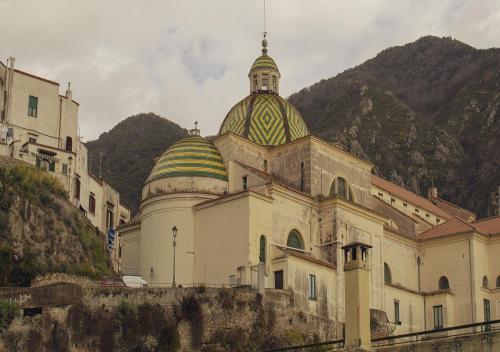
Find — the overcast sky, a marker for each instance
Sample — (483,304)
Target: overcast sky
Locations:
(188,60)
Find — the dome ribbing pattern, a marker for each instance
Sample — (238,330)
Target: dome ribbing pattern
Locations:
(191,156)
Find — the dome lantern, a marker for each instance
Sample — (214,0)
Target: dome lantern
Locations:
(264,74)
(264,117)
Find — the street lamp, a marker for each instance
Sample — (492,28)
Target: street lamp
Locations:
(174,235)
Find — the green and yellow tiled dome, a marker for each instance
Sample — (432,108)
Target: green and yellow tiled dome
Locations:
(265,118)
(264,61)
(191,156)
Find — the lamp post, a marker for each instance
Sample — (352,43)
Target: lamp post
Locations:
(174,235)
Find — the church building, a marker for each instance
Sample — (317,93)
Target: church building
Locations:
(268,205)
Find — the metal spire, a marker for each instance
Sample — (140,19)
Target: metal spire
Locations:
(264,34)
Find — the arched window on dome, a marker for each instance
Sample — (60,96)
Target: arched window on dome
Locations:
(262,249)
(295,240)
(265,81)
(273,87)
(387,274)
(444,284)
(341,188)
(485,281)
(255,83)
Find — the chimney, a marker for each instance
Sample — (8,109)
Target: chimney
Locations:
(432,192)
(357,336)
(69,94)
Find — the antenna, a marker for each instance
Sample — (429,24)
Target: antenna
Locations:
(264,33)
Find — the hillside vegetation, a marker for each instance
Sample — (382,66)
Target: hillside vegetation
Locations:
(426,112)
(41,232)
(128,152)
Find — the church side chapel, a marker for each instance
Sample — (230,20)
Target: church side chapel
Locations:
(267,205)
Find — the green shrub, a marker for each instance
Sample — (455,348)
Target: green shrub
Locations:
(8,311)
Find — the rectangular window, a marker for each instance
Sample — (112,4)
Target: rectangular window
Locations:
(405,205)
(33,106)
(278,279)
(380,194)
(417,211)
(487,314)
(438,317)
(396,312)
(69,144)
(393,201)
(52,166)
(77,188)
(31,140)
(427,215)
(109,216)
(91,203)
(245,182)
(64,170)
(265,81)
(312,287)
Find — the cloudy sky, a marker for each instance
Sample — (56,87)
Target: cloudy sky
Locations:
(188,60)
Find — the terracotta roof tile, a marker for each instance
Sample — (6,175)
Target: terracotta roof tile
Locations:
(408,196)
(450,227)
(489,226)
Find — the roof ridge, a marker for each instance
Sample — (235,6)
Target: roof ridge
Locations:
(464,222)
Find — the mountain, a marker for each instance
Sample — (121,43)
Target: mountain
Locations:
(424,113)
(41,232)
(128,152)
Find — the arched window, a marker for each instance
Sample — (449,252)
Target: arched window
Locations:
(387,274)
(341,189)
(295,240)
(498,281)
(262,249)
(485,281)
(444,283)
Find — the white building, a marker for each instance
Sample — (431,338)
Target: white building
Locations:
(40,127)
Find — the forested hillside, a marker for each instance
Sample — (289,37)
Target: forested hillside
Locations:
(128,152)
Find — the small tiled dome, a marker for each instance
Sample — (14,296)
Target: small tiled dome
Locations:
(192,156)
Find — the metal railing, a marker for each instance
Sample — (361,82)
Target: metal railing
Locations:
(441,333)
(415,337)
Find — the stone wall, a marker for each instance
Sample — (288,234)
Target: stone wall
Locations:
(219,319)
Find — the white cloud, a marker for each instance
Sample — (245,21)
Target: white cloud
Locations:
(188,60)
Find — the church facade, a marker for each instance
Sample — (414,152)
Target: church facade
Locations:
(265,204)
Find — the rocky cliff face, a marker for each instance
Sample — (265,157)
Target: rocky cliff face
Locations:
(426,112)
(41,232)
